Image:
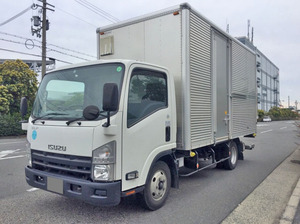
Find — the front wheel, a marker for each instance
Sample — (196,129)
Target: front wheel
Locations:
(232,152)
(157,186)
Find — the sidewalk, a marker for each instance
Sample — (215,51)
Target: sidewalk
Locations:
(275,200)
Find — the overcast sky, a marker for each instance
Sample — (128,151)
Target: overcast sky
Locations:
(276,29)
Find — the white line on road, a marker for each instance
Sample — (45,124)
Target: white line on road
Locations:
(262,125)
(6,152)
(6,143)
(12,157)
(32,189)
(283,128)
(266,131)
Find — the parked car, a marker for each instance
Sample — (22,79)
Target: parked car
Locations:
(267,119)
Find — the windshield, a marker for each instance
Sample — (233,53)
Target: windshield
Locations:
(64,94)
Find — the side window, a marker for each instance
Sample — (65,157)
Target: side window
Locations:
(147,94)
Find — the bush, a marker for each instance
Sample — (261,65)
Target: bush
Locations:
(260,114)
(278,114)
(10,125)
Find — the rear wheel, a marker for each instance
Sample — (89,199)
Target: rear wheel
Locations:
(157,186)
(232,152)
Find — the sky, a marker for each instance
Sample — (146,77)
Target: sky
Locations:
(72,34)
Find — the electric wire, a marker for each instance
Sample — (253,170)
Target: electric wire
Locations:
(100,10)
(76,17)
(50,49)
(49,44)
(36,55)
(97,10)
(16,16)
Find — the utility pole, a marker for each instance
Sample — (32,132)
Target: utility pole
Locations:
(37,27)
(44,39)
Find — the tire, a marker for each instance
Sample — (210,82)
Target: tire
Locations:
(232,152)
(157,187)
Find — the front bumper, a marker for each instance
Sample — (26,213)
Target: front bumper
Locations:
(99,194)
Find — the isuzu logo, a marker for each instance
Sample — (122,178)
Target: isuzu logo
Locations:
(57,147)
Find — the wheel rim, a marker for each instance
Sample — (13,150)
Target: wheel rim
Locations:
(158,185)
(234,154)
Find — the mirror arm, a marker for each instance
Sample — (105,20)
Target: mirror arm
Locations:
(107,124)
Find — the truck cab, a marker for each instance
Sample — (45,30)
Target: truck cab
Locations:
(97,129)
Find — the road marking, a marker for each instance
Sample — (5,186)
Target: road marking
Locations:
(266,131)
(32,189)
(262,125)
(283,128)
(6,143)
(5,153)
(12,157)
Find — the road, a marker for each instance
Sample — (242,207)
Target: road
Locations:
(206,197)
(12,161)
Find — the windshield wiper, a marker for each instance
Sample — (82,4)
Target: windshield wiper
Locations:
(73,120)
(46,115)
(82,118)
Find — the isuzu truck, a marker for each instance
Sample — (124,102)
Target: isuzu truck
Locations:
(170,95)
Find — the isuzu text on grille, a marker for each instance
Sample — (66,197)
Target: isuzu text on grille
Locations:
(57,147)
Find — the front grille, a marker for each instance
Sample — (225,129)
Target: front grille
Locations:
(69,165)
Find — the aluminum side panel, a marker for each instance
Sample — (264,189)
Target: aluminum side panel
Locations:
(200,82)
(244,100)
(155,40)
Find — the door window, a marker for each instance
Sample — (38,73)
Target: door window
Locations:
(147,94)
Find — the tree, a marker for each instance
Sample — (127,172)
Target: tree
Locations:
(4,100)
(282,114)
(260,114)
(16,81)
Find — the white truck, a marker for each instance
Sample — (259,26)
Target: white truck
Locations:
(171,95)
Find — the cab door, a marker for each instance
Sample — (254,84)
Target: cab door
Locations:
(147,122)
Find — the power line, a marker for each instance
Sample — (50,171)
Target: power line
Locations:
(16,16)
(63,48)
(75,17)
(101,10)
(78,52)
(97,10)
(51,49)
(36,55)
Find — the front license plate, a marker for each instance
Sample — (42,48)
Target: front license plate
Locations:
(55,185)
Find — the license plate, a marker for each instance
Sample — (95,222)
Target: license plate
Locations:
(55,185)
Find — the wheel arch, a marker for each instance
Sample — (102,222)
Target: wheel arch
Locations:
(169,158)
(240,146)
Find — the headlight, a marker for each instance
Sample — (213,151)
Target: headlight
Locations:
(104,158)
(104,172)
(28,151)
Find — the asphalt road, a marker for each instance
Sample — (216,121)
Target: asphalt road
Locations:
(206,197)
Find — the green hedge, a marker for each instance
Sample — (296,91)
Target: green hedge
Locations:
(278,114)
(10,125)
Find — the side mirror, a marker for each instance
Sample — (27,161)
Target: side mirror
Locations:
(23,107)
(91,112)
(110,100)
(110,97)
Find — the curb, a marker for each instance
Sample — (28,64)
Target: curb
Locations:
(269,199)
(291,208)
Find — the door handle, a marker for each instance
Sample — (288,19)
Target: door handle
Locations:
(168,133)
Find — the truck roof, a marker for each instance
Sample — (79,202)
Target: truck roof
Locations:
(165,12)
